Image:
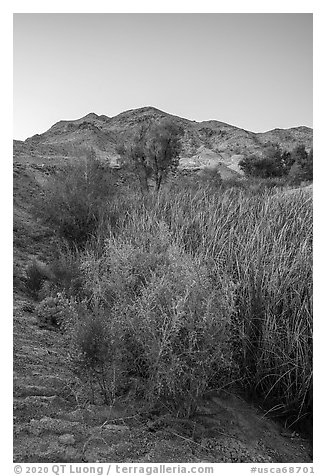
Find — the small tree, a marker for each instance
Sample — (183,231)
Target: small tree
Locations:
(308,168)
(133,155)
(302,164)
(273,163)
(153,152)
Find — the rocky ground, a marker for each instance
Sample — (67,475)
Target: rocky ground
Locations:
(53,422)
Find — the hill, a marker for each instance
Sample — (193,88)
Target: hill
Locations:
(205,144)
(54,420)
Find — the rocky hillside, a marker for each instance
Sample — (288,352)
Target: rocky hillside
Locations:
(205,144)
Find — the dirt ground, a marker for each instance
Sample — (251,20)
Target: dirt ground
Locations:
(52,423)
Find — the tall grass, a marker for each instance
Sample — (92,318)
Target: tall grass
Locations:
(263,244)
(247,251)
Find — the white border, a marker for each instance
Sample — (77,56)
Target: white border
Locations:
(6,117)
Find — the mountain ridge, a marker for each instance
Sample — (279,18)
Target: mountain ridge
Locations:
(209,143)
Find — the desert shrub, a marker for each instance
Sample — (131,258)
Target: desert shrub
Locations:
(65,268)
(180,181)
(173,316)
(181,322)
(61,274)
(76,200)
(48,289)
(36,274)
(55,312)
(95,354)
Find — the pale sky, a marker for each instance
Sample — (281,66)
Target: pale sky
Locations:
(253,71)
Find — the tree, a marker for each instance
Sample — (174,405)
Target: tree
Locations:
(273,163)
(308,167)
(152,152)
(302,166)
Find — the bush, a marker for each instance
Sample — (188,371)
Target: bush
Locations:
(95,354)
(172,315)
(76,200)
(65,268)
(36,274)
(302,168)
(295,167)
(55,312)
(273,163)
(181,323)
(62,274)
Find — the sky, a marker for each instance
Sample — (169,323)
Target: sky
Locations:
(253,71)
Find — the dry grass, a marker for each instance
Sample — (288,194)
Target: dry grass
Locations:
(263,243)
(250,251)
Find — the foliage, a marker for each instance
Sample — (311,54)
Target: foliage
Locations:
(264,241)
(65,269)
(94,353)
(36,274)
(230,267)
(152,152)
(210,178)
(172,313)
(76,200)
(302,168)
(275,163)
(55,312)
